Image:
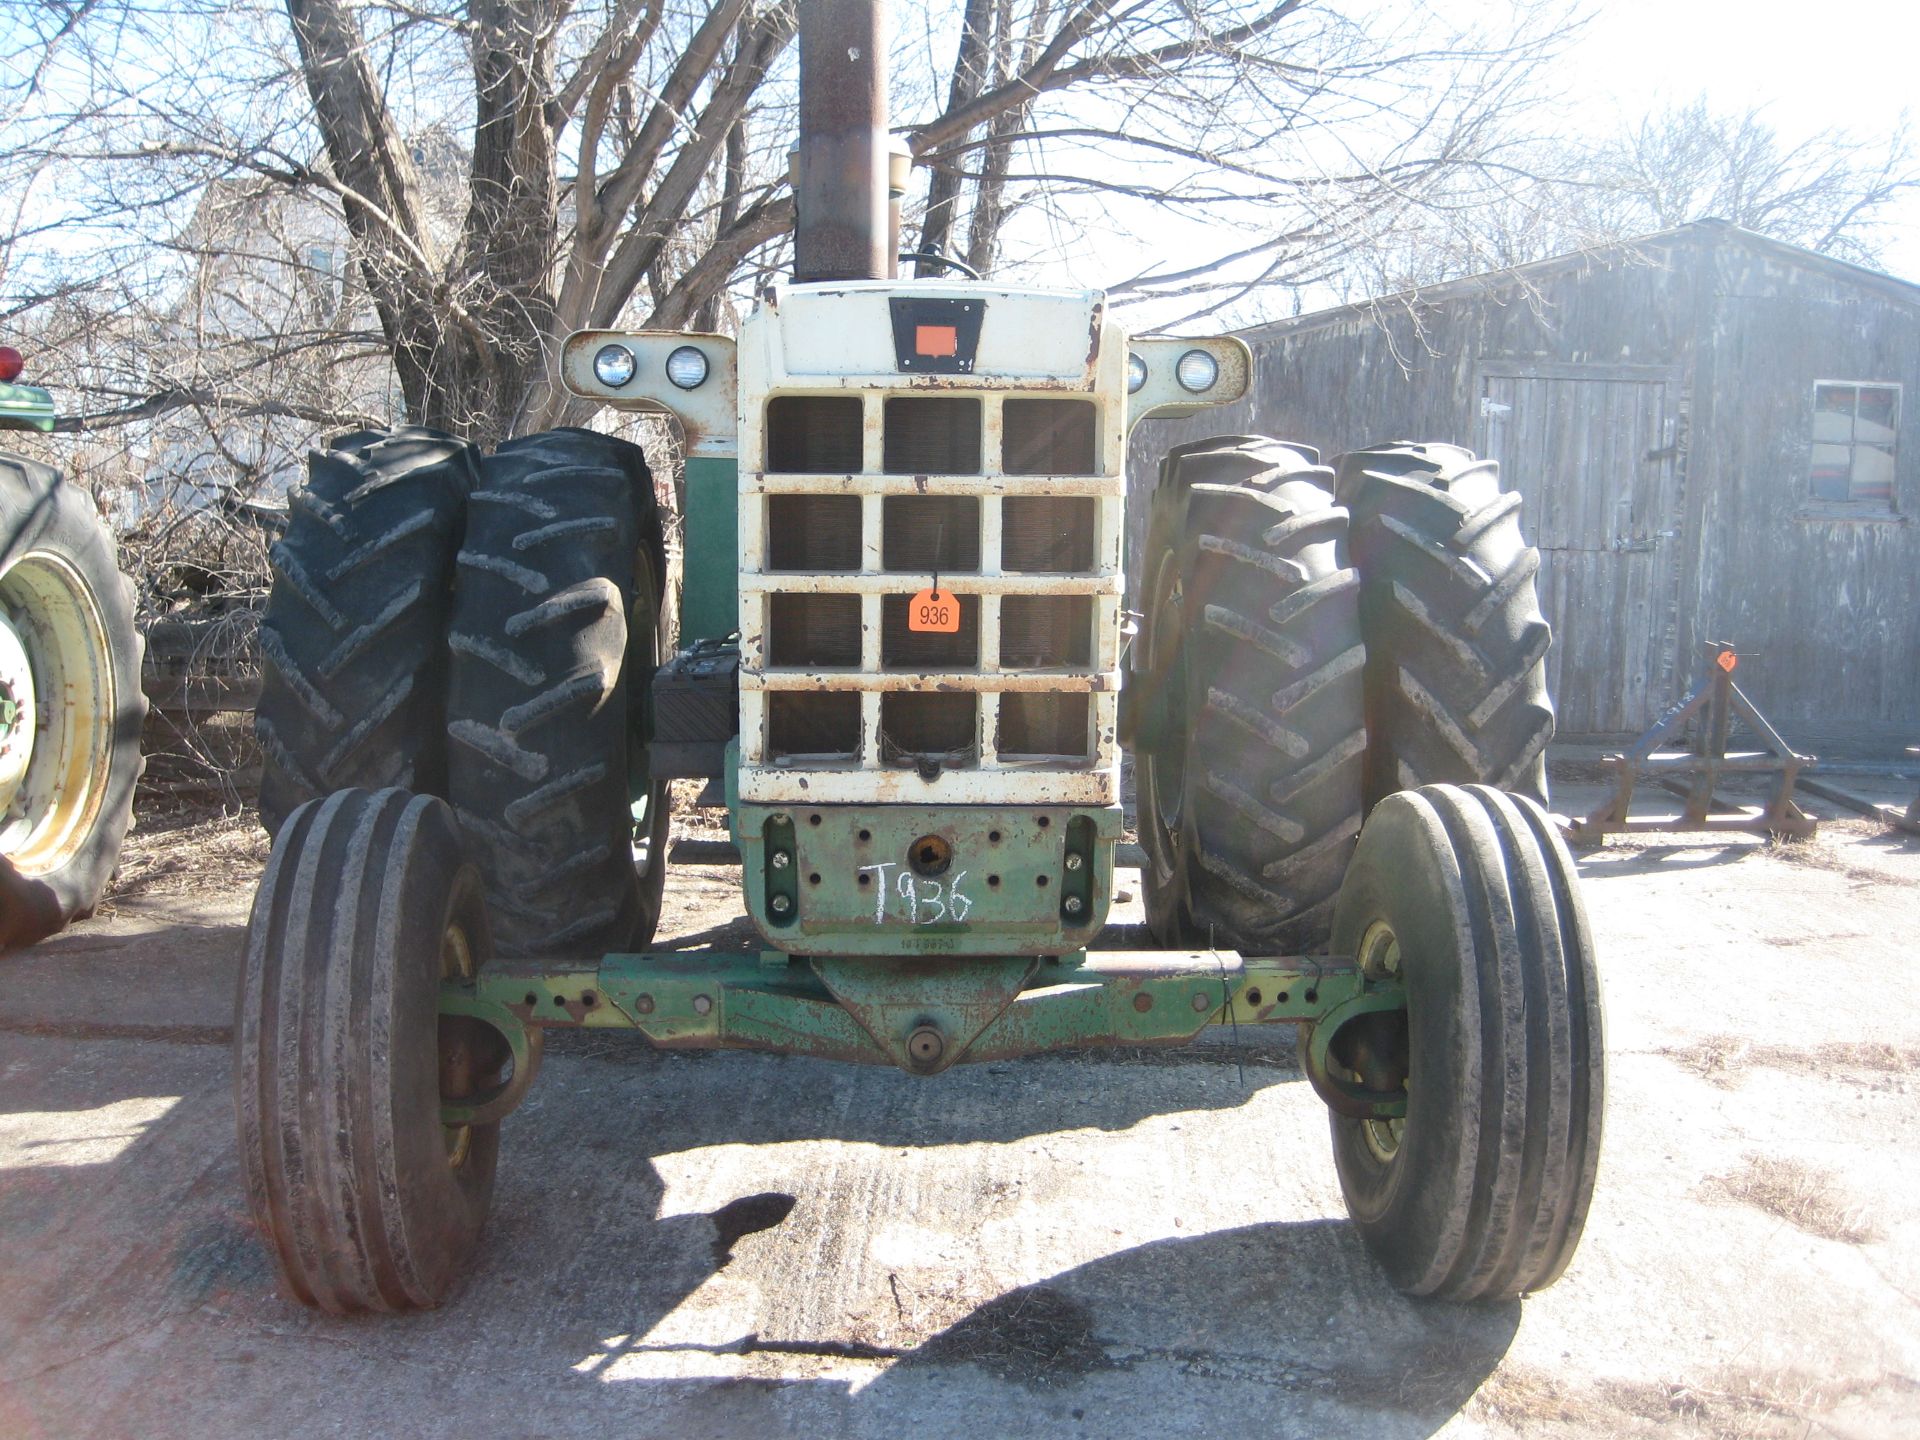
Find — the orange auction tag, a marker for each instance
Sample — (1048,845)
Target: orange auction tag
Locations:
(935,610)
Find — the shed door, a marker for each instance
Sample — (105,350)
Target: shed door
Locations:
(1596,452)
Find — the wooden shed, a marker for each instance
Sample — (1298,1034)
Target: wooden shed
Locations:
(1716,438)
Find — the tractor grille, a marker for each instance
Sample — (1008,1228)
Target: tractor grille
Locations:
(853,505)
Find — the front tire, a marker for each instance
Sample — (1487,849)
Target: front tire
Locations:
(366,1200)
(1470,897)
(1250,754)
(71,706)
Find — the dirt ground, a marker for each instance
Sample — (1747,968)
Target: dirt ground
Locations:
(1110,1245)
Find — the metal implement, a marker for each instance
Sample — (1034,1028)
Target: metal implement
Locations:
(1695,772)
(1907,820)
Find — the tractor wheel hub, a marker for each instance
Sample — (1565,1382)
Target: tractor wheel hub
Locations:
(16,712)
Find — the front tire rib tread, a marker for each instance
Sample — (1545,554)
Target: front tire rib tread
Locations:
(333,1035)
(1505,1174)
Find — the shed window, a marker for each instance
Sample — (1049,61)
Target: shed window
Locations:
(1855,437)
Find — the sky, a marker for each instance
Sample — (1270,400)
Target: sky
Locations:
(1847,65)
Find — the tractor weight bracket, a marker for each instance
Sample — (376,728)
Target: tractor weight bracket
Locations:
(921,1014)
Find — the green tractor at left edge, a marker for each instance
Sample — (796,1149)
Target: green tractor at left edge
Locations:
(71,706)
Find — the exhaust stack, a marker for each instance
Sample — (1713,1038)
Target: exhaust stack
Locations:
(842,228)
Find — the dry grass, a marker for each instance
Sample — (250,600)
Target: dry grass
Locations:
(189,851)
(1818,852)
(1804,1197)
(1725,1059)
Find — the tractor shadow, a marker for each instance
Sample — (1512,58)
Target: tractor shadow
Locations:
(622,1308)
(1277,1329)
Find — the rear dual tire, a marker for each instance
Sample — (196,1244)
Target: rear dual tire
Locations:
(1456,675)
(484,630)
(353,678)
(556,630)
(1249,767)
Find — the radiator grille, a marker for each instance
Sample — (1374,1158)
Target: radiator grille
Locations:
(1049,437)
(813,434)
(813,532)
(818,722)
(1047,534)
(814,632)
(863,497)
(920,725)
(924,533)
(904,649)
(1046,632)
(1044,725)
(932,435)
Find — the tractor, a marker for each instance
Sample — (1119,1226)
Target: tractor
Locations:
(902,663)
(71,706)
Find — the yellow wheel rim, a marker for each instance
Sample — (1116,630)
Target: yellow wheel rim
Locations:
(57,712)
(456,963)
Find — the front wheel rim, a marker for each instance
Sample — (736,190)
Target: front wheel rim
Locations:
(456,963)
(57,712)
(1380,959)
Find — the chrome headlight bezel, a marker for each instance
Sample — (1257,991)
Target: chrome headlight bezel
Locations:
(1198,371)
(680,365)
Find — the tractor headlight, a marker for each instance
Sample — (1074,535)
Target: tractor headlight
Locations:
(613,365)
(1197,371)
(1136,374)
(687,367)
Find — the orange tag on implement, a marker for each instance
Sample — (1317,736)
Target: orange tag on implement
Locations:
(1726,660)
(935,610)
(935,340)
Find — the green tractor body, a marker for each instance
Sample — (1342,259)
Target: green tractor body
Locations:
(903,665)
(25,407)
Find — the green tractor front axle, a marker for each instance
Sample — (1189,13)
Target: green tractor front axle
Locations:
(925,1015)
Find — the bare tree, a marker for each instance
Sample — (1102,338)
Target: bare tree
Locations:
(502,172)
(1833,192)
(1830,192)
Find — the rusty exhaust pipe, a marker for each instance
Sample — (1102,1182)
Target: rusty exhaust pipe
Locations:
(842,228)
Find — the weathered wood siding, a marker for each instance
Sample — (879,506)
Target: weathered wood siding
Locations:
(1658,405)
(1828,608)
